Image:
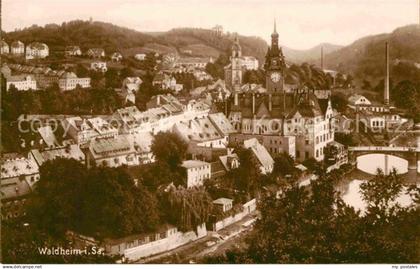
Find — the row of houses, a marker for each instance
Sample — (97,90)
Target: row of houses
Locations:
(35,50)
(92,53)
(32,78)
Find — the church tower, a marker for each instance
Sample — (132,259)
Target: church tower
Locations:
(274,65)
(236,61)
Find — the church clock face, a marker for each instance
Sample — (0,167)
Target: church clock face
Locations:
(275,77)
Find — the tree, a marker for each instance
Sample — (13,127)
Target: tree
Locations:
(330,154)
(126,72)
(112,79)
(185,208)
(21,244)
(366,85)
(144,94)
(254,76)
(216,69)
(81,71)
(284,165)
(406,94)
(381,192)
(160,174)
(100,202)
(169,149)
(339,102)
(349,81)
(58,197)
(247,176)
(348,140)
(150,62)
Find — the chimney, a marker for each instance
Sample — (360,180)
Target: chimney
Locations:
(386,89)
(270,104)
(253,103)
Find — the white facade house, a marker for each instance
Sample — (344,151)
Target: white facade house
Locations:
(73,51)
(132,83)
(359,100)
(69,81)
(116,57)
(250,63)
(17,48)
(4,47)
(197,172)
(36,50)
(98,66)
(140,56)
(21,82)
(223,204)
(96,53)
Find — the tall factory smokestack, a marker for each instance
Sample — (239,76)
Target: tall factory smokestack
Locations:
(322,58)
(386,89)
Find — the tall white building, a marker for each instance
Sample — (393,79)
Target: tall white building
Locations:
(36,50)
(197,172)
(21,82)
(69,81)
(17,48)
(4,47)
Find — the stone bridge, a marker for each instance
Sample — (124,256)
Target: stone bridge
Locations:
(411,154)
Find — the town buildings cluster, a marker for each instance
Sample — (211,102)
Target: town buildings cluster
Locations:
(268,120)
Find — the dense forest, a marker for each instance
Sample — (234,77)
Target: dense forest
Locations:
(115,38)
(365,58)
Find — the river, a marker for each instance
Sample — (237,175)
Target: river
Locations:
(369,164)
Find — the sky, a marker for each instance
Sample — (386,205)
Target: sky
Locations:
(301,24)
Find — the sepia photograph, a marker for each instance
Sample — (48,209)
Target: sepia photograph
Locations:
(207,132)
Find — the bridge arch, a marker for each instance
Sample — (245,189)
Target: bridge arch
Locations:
(410,154)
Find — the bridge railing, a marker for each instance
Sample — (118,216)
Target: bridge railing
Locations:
(380,148)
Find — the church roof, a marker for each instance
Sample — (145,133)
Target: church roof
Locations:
(282,105)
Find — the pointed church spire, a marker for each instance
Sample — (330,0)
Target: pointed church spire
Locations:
(275,30)
(275,34)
